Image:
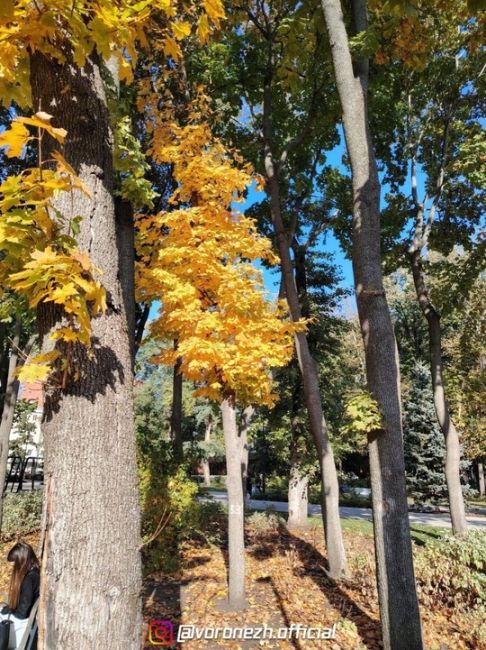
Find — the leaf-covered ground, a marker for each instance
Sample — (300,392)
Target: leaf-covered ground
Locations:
(286,584)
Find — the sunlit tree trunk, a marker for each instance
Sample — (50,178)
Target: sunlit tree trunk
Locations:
(91,569)
(482,490)
(399,611)
(298,494)
(205,462)
(235,444)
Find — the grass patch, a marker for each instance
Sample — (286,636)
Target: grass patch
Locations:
(421,533)
(203,490)
(479,502)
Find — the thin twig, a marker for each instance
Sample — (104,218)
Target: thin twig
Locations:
(162,524)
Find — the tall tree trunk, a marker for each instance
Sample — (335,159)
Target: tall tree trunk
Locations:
(453,446)
(482,490)
(330,488)
(176,414)
(91,569)
(235,445)
(205,462)
(399,611)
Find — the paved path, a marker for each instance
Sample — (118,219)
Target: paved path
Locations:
(440,520)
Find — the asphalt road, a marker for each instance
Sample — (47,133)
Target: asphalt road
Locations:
(440,520)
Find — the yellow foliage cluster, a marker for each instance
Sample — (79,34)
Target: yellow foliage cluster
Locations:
(39,254)
(197,259)
(40,258)
(56,27)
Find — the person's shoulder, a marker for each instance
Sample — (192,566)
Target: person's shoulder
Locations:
(33,574)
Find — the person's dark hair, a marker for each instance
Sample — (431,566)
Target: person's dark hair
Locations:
(24,559)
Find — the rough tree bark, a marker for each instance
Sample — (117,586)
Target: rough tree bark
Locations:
(453,445)
(330,488)
(236,447)
(399,611)
(91,569)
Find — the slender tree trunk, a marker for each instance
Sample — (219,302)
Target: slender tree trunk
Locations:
(8,411)
(91,569)
(4,363)
(482,490)
(298,480)
(206,472)
(11,392)
(246,419)
(330,488)
(399,611)
(235,445)
(125,233)
(453,446)
(176,415)
(298,495)
(205,462)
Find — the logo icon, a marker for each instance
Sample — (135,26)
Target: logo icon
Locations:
(161,633)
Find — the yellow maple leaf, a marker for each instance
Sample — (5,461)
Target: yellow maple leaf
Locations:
(15,138)
(60,294)
(39,367)
(66,334)
(181,30)
(214,9)
(43,121)
(171,48)
(203,29)
(31,373)
(63,167)
(83,259)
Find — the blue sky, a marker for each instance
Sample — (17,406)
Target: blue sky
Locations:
(329,244)
(272,278)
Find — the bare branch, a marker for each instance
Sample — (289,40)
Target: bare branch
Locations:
(316,230)
(440,182)
(164,520)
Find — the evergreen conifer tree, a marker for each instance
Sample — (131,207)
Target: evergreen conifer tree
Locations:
(423,440)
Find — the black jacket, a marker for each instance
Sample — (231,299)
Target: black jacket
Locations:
(29,593)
